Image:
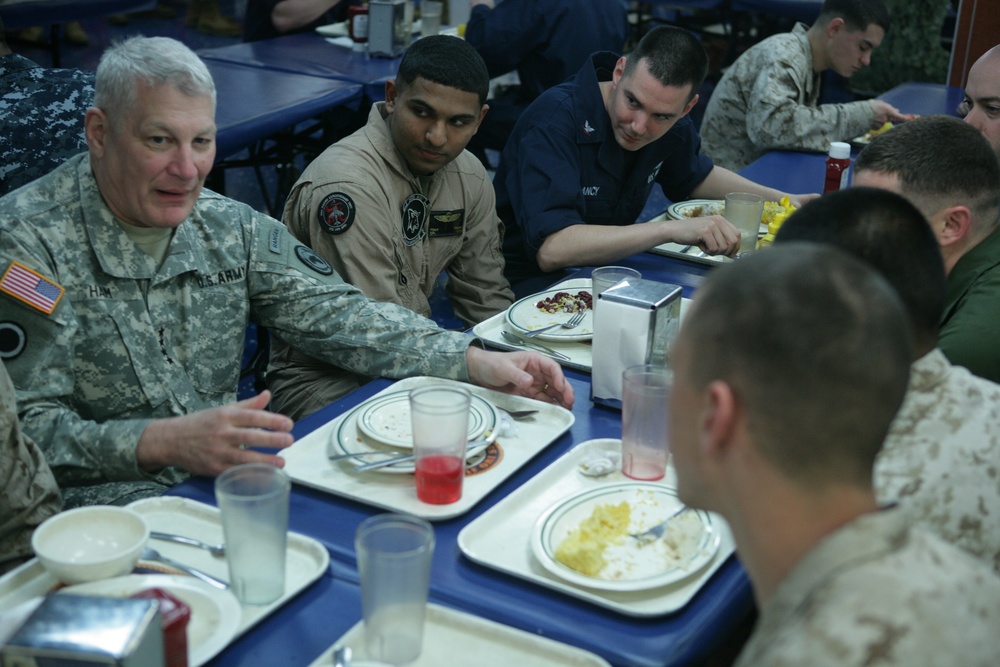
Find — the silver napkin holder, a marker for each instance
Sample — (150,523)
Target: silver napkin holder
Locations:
(69,630)
(387,29)
(635,323)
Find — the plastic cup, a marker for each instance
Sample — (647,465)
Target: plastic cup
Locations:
(253,498)
(430,17)
(439,417)
(394,563)
(645,450)
(745,210)
(606,276)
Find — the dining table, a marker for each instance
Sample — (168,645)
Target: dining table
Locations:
(312,54)
(313,620)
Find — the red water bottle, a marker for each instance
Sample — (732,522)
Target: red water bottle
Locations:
(838,167)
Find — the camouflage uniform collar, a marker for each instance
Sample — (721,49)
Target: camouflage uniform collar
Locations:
(117,253)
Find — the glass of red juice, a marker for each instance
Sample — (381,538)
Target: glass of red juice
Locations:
(440,419)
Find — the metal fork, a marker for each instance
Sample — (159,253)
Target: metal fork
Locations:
(571,323)
(656,532)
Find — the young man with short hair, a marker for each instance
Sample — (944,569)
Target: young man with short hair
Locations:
(769,98)
(949,172)
(939,459)
(586,154)
(788,371)
(397,203)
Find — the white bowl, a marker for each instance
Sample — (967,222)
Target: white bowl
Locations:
(90,543)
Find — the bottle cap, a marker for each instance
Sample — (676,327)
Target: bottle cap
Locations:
(840,150)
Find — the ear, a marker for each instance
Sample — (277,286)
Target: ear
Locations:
(482,115)
(834,26)
(95,126)
(952,225)
(690,105)
(720,415)
(391,92)
(619,71)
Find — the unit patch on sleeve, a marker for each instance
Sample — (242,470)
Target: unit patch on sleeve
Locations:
(446,223)
(336,213)
(31,288)
(415,210)
(313,261)
(12,340)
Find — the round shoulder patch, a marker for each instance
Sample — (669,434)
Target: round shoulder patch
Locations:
(336,213)
(312,260)
(12,340)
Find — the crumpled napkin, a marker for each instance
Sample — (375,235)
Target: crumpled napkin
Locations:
(601,463)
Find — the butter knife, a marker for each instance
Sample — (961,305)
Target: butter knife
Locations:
(514,339)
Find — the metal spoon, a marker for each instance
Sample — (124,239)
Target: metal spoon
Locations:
(519,414)
(216,550)
(149,553)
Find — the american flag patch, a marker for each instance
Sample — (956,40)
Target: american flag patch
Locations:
(31,287)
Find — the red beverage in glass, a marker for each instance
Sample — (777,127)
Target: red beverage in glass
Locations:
(439,479)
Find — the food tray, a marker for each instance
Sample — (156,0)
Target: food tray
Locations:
(306,560)
(307,464)
(501,538)
(580,353)
(689,252)
(454,637)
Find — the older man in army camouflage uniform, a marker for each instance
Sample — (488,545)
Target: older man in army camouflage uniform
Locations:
(788,370)
(127,289)
(940,458)
(769,98)
(41,117)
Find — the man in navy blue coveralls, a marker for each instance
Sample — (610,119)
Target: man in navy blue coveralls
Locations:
(582,160)
(546,41)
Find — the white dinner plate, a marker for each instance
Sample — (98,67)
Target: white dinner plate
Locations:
(215,613)
(526,316)
(694,208)
(387,419)
(349,438)
(631,565)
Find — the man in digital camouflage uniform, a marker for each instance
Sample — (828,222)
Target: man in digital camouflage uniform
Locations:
(950,173)
(28,491)
(981,106)
(788,370)
(940,458)
(126,291)
(41,117)
(397,203)
(769,98)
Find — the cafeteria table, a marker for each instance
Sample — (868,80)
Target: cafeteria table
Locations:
(311,53)
(311,622)
(254,104)
(802,172)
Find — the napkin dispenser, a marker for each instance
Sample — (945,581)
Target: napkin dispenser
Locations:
(69,630)
(387,30)
(635,323)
